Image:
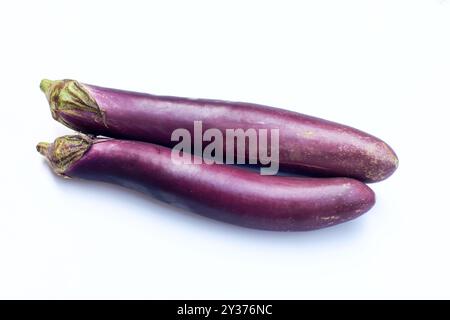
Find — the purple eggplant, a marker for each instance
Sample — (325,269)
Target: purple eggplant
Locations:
(222,192)
(306,144)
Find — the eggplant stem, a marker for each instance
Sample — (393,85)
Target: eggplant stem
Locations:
(65,151)
(69,97)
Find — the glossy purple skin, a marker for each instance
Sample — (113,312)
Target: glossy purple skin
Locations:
(224,192)
(307,144)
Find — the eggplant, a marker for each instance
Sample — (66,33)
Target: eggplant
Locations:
(227,193)
(307,145)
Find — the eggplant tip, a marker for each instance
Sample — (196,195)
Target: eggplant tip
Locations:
(42,148)
(45,85)
(396,161)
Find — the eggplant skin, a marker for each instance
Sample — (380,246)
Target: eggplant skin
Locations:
(221,192)
(306,144)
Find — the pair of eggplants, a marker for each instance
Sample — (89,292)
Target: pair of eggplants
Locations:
(137,154)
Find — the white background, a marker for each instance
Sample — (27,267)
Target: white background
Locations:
(380,66)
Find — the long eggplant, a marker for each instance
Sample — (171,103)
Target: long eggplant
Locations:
(306,144)
(222,192)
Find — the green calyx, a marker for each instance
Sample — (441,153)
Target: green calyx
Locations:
(64,151)
(72,98)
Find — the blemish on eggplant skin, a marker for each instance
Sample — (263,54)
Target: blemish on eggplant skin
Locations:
(330,218)
(305,134)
